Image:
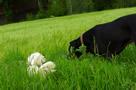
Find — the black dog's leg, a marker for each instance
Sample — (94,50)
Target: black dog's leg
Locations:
(110,55)
(106,51)
(133,30)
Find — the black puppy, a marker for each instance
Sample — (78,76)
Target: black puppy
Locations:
(108,39)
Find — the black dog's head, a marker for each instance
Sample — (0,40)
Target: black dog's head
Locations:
(86,39)
(75,44)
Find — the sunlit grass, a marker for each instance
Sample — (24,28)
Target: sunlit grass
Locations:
(51,38)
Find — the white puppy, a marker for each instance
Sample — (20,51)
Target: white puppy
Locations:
(36,63)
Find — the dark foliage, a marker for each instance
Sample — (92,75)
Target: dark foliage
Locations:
(51,8)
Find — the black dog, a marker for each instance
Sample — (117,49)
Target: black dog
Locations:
(108,39)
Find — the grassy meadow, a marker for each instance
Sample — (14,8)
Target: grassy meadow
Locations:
(51,38)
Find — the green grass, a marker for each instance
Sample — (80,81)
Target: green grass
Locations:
(51,38)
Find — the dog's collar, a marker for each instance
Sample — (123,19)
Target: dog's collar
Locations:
(81,39)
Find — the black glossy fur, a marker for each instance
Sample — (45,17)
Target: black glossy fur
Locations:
(110,38)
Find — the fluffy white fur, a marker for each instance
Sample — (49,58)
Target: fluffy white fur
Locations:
(36,59)
(48,67)
(36,63)
(32,69)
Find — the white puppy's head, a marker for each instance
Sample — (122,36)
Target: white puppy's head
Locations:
(36,59)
